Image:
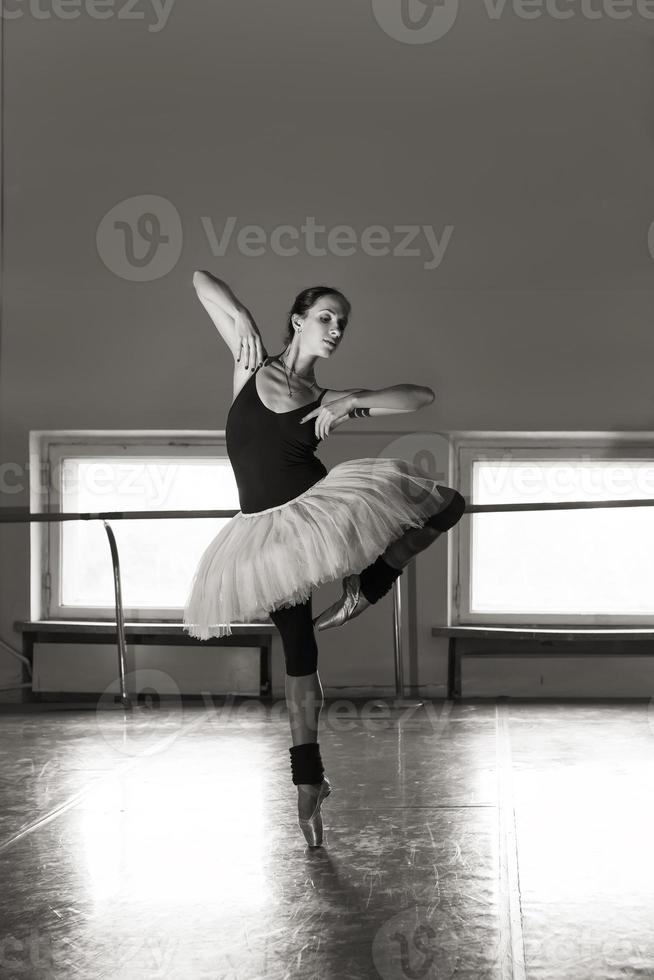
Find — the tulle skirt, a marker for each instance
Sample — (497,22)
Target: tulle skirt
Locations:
(275,558)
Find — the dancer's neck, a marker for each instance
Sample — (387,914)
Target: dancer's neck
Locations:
(299,367)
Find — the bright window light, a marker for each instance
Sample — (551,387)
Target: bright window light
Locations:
(157,558)
(570,561)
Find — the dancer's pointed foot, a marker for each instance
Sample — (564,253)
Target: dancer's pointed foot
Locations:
(309,801)
(351,604)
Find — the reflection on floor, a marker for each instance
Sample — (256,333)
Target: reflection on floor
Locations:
(470,840)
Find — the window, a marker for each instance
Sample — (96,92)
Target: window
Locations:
(572,567)
(89,472)
(537,568)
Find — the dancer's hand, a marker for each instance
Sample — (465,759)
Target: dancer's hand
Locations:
(248,342)
(330,416)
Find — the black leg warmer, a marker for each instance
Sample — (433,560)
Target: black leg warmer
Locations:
(376,579)
(306,763)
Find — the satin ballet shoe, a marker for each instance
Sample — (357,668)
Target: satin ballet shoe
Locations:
(351,604)
(311,827)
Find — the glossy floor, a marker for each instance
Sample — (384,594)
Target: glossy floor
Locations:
(471,840)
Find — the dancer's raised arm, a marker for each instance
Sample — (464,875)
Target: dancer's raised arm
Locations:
(232,319)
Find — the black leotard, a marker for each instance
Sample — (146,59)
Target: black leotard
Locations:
(272,453)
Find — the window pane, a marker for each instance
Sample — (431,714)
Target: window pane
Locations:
(575,561)
(157,558)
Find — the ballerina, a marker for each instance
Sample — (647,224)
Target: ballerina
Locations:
(301,525)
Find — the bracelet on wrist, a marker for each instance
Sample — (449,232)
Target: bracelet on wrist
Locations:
(359,413)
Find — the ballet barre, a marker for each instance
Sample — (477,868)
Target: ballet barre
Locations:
(23,515)
(20,515)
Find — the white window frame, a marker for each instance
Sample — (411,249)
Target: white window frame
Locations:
(47,450)
(466,448)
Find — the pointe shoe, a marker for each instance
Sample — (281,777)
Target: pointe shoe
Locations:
(351,604)
(311,827)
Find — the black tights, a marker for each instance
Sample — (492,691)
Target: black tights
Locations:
(295,627)
(295,624)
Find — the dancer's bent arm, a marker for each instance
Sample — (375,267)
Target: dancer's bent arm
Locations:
(233,320)
(379,401)
(396,398)
(338,406)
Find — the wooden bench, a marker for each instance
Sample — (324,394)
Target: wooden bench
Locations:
(543,636)
(91,631)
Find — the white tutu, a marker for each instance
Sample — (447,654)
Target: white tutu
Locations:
(275,558)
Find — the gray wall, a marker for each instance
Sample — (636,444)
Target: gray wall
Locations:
(528,139)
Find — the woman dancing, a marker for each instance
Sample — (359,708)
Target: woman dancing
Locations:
(301,525)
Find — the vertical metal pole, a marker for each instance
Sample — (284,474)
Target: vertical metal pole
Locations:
(397,641)
(397,636)
(120,621)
